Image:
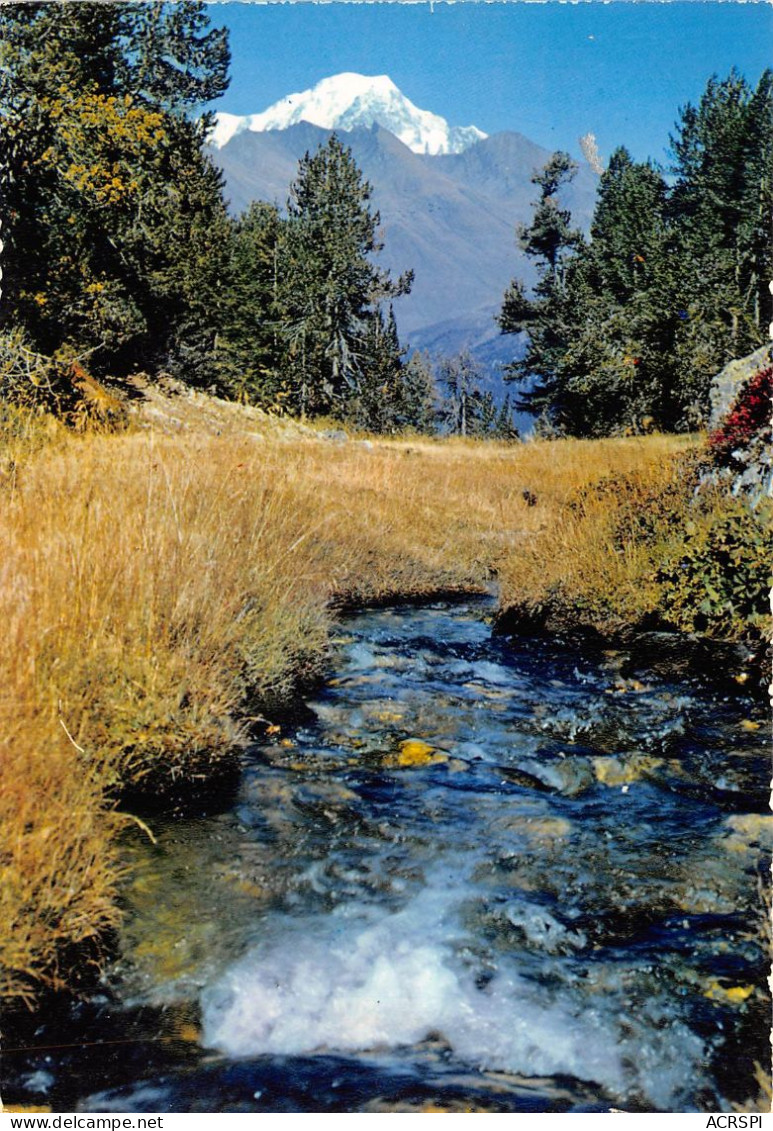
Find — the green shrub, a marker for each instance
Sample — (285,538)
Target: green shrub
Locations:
(699,559)
(714,573)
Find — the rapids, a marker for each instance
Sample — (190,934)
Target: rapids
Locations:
(475,874)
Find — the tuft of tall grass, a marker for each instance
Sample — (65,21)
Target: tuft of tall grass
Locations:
(650,547)
(158,590)
(592,565)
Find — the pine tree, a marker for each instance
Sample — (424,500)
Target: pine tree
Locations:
(173,58)
(617,369)
(721,212)
(115,226)
(547,317)
(755,235)
(628,329)
(504,428)
(419,396)
(249,351)
(485,422)
(465,410)
(377,403)
(333,290)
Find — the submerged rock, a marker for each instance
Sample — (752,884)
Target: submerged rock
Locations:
(748,832)
(680,655)
(414,752)
(569,776)
(622,771)
(541,929)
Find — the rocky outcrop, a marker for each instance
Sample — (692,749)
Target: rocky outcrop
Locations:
(729,382)
(740,440)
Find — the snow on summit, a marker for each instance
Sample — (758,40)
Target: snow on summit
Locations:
(345,101)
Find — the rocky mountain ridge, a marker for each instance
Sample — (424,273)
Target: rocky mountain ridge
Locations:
(348,101)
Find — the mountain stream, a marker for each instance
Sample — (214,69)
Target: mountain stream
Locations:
(478,874)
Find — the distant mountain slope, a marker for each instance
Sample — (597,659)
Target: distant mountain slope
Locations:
(451,218)
(502,166)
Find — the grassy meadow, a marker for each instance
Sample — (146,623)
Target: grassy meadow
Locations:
(166,588)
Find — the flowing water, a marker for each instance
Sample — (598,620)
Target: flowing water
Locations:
(479,874)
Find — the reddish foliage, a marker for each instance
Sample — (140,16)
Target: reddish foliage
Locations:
(750,413)
(77,372)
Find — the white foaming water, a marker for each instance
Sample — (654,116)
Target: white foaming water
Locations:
(362,979)
(492,673)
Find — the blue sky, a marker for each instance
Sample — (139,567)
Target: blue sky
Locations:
(552,71)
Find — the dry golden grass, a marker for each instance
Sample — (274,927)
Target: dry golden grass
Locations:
(580,564)
(159,587)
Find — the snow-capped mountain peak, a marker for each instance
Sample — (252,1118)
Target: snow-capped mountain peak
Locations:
(345,101)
